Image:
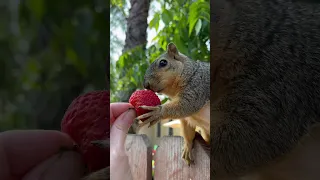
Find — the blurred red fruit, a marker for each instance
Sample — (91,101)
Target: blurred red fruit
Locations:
(87,120)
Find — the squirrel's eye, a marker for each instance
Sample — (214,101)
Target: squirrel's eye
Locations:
(163,63)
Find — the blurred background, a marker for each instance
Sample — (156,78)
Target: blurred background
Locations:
(51,52)
(140,31)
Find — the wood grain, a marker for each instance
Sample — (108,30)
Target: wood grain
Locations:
(139,151)
(170,166)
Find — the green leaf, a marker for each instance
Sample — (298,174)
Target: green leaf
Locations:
(166,16)
(36,7)
(155,38)
(164,100)
(33,66)
(118,3)
(164,44)
(180,45)
(120,63)
(198,27)
(72,57)
(198,10)
(192,23)
(154,23)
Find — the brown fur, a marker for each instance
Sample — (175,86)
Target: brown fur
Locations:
(265,82)
(169,80)
(187,83)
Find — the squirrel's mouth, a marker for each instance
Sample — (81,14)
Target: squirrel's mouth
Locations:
(159,91)
(155,89)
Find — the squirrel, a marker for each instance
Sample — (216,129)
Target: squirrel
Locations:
(187,83)
(265,74)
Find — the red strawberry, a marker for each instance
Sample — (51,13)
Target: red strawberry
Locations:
(87,120)
(144,97)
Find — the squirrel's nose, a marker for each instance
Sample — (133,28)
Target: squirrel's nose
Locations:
(146,84)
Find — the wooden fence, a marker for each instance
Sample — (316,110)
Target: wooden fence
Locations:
(168,162)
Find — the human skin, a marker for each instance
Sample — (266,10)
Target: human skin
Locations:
(36,154)
(122,116)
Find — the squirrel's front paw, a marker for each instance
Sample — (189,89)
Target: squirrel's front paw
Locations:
(153,116)
(186,153)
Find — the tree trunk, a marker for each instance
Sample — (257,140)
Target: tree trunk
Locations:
(137,23)
(136,34)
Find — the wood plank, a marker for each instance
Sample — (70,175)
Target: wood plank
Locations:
(139,151)
(170,166)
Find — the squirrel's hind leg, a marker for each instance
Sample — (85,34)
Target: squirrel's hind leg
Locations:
(205,135)
(188,134)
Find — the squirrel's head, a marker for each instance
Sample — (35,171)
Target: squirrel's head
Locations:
(163,75)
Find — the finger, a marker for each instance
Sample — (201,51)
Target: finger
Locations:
(120,168)
(120,129)
(116,109)
(65,166)
(25,148)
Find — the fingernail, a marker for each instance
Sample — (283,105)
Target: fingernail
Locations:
(129,116)
(131,106)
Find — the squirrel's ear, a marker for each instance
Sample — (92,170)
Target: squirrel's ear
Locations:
(172,49)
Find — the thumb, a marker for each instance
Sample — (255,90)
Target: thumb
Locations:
(120,129)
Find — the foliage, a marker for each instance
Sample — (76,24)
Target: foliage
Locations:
(52,51)
(186,23)
(117,16)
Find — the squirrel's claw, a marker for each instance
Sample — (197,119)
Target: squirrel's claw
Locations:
(153,123)
(153,116)
(151,108)
(150,120)
(142,124)
(145,116)
(186,154)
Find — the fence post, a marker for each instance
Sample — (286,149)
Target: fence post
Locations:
(170,166)
(139,151)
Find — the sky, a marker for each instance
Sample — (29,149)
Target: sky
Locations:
(151,33)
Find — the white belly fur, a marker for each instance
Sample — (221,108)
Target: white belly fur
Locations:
(201,119)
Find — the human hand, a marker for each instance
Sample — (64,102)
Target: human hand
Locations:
(122,117)
(34,155)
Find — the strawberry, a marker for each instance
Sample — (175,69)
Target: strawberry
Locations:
(143,97)
(87,120)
